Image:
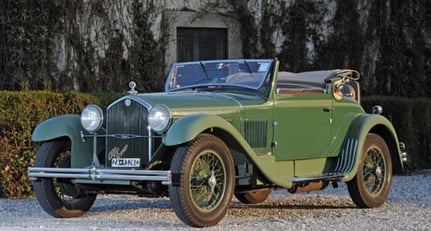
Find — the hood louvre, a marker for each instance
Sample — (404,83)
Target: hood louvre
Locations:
(255,132)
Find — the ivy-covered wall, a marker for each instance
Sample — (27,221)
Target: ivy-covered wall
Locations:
(96,45)
(389,41)
(101,45)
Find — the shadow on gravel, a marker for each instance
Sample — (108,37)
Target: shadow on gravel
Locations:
(296,207)
(108,205)
(163,204)
(287,204)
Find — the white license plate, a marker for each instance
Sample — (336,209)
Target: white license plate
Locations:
(126,162)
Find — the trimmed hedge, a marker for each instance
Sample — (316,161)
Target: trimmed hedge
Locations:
(20,112)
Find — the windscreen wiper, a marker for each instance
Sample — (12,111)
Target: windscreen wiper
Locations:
(204,69)
(248,67)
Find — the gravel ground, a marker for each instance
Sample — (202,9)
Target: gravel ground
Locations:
(407,208)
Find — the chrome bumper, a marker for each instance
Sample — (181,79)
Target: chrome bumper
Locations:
(404,157)
(100,174)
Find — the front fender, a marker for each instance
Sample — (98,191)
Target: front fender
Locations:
(187,128)
(371,123)
(66,126)
(56,127)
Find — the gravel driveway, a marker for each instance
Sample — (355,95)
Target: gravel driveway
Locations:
(407,208)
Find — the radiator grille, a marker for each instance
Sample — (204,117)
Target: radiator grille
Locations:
(126,127)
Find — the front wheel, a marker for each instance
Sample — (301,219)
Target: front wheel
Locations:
(202,181)
(370,187)
(58,196)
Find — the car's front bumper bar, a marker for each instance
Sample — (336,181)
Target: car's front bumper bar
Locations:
(94,173)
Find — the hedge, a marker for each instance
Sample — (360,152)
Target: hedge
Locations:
(412,120)
(21,111)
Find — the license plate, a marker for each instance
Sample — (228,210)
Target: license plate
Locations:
(126,162)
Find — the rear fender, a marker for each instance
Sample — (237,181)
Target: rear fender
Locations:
(67,126)
(371,123)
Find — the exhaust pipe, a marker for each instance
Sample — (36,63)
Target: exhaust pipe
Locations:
(308,187)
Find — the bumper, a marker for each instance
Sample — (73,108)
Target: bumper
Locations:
(405,161)
(34,173)
(404,158)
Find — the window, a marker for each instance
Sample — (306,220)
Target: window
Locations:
(201,44)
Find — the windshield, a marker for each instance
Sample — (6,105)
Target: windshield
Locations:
(240,73)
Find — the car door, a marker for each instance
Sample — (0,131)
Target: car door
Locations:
(302,124)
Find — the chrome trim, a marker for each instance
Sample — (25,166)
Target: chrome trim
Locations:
(377,109)
(169,122)
(404,156)
(100,119)
(119,136)
(132,90)
(100,174)
(315,178)
(347,158)
(150,143)
(402,146)
(136,99)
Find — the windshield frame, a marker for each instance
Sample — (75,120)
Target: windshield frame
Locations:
(261,70)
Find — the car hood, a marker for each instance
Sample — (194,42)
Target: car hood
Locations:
(208,102)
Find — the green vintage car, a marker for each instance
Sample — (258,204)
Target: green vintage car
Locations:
(221,128)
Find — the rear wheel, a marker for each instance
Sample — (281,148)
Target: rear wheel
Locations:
(58,196)
(202,181)
(372,183)
(254,196)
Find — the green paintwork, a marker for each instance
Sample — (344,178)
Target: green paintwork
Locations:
(60,126)
(345,112)
(303,126)
(188,127)
(285,135)
(196,101)
(310,167)
(361,126)
(67,126)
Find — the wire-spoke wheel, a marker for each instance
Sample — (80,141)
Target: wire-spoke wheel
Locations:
(370,187)
(58,196)
(203,181)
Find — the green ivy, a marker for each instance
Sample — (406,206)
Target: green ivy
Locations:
(29,32)
(149,53)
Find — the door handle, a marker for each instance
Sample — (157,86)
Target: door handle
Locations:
(328,109)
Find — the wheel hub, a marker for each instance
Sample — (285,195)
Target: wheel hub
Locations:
(212,182)
(378,172)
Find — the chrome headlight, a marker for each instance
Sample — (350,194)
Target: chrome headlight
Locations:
(92,118)
(159,118)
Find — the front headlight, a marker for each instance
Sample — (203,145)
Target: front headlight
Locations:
(92,118)
(159,118)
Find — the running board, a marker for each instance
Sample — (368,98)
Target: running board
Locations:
(344,165)
(326,177)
